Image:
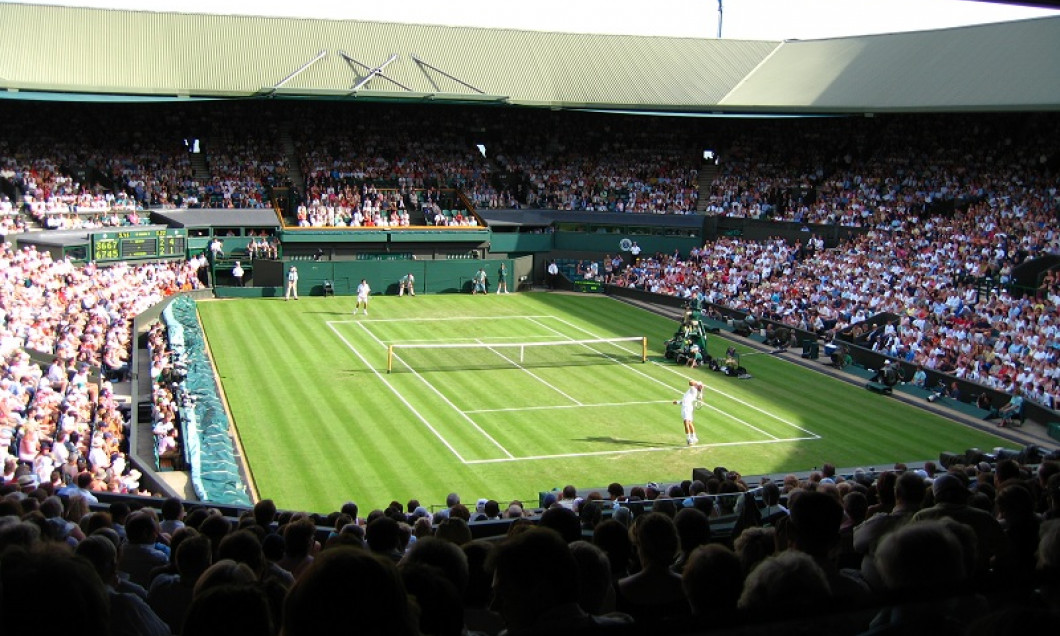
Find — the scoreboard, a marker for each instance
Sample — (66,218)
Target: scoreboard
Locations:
(130,245)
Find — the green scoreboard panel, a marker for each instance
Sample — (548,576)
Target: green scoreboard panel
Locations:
(130,245)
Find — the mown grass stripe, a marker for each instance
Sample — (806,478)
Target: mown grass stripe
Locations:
(289,376)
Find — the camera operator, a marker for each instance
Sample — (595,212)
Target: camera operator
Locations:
(888,375)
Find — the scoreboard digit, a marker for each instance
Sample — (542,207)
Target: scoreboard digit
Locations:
(171,245)
(105,249)
(139,244)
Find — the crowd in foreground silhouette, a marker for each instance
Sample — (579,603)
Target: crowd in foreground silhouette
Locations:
(970,550)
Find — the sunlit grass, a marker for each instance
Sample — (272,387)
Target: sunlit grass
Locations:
(321,422)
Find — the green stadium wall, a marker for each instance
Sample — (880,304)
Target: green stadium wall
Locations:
(432,277)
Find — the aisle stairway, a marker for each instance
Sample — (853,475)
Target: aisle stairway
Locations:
(294,165)
(707,174)
(200,169)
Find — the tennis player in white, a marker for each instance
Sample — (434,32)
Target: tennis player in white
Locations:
(692,397)
(363,290)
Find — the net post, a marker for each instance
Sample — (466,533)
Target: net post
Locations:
(644,348)
(389,358)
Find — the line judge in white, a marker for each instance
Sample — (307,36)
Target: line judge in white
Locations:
(292,284)
(363,291)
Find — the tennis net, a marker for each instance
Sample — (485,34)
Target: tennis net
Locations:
(422,357)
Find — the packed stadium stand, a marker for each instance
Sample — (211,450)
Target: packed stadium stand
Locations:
(923,223)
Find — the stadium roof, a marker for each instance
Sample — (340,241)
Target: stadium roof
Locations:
(76,53)
(219,217)
(527,218)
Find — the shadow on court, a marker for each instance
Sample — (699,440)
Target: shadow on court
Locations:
(617,442)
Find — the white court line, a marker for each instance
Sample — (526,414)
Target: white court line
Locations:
(653,449)
(660,382)
(532,375)
(449,318)
(397,393)
(566,406)
(511,458)
(718,391)
(441,395)
(470,340)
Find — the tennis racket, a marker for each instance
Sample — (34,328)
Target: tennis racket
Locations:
(699,404)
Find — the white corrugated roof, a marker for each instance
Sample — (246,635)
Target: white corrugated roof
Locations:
(1010,65)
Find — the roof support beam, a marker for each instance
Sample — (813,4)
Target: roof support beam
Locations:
(293,75)
(373,72)
(421,62)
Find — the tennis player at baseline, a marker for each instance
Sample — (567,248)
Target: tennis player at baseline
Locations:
(688,402)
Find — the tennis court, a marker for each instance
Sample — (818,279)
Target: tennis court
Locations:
(520,375)
(320,420)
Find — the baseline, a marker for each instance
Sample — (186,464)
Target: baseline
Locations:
(627,451)
(671,370)
(661,383)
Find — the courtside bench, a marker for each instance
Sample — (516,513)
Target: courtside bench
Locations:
(879,387)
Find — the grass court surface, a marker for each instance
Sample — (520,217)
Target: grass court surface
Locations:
(321,421)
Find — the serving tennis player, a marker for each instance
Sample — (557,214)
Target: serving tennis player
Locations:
(692,398)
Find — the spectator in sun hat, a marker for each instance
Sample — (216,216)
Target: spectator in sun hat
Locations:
(98,457)
(27,482)
(131,480)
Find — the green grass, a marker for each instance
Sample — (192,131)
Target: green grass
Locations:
(321,422)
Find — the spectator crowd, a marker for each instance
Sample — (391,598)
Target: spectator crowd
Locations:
(60,425)
(944,228)
(973,548)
